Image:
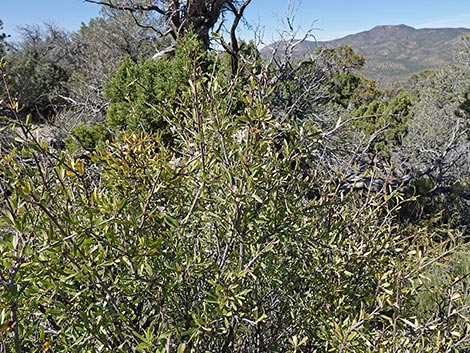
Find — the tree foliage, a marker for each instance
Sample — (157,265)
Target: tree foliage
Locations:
(200,17)
(99,48)
(437,145)
(3,36)
(38,70)
(391,116)
(143,96)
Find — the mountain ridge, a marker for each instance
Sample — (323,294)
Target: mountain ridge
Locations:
(393,52)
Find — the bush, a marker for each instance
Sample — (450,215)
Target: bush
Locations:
(143,96)
(392,116)
(87,137)
(38,70)
(211,244)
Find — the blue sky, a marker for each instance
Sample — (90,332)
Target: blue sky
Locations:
(330,18)
(67,14)
(337,18)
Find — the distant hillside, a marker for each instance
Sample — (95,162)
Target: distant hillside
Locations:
(394,52)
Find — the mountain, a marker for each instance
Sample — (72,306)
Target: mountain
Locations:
(395,52)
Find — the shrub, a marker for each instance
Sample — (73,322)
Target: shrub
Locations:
(210,244)
(143,96)
(87,137)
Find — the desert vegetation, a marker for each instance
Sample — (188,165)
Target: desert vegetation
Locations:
(184,194)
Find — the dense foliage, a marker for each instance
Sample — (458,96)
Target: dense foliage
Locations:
(38,69)
(142,96)
(3,36)
(288,208)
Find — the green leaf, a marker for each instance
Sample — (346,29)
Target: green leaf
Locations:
(141,347)
(257,198)
(182,348)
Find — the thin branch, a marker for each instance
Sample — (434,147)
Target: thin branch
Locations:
(136,7)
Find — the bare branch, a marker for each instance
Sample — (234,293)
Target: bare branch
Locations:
(135,7)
